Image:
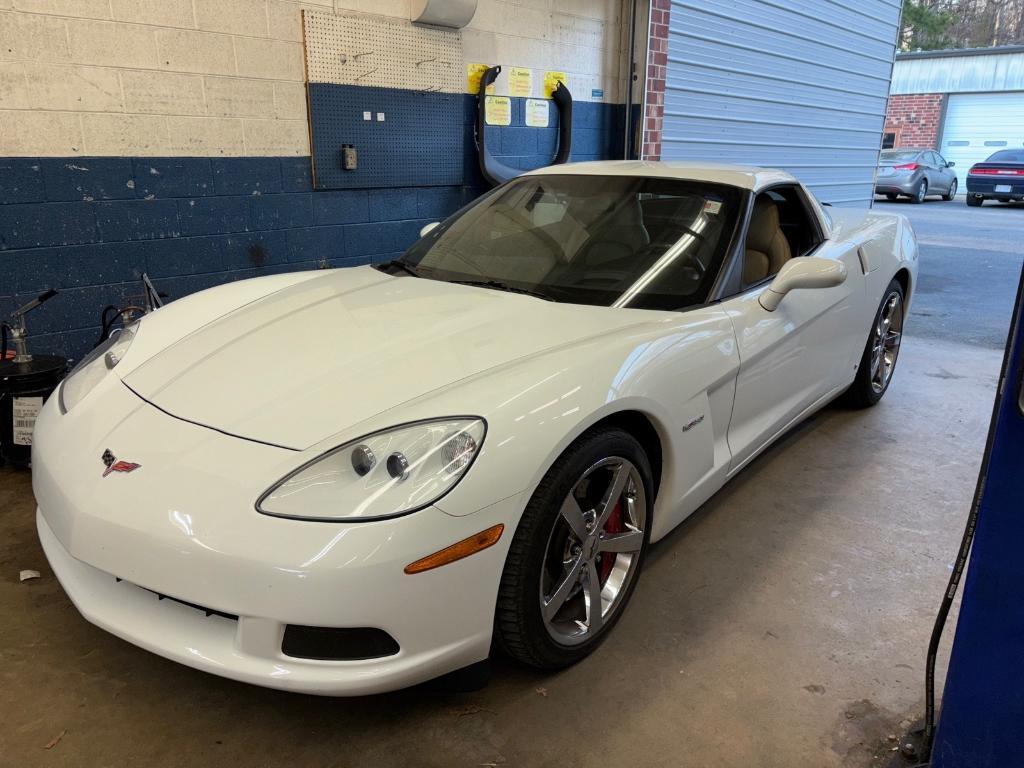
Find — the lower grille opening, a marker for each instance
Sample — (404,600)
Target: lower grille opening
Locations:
(337,644)
(203,608)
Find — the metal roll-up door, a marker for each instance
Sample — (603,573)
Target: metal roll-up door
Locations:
(978,124)
(799,85)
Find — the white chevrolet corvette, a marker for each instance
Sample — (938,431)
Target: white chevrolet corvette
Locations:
(350,481)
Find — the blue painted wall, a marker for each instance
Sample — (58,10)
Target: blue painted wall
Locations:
(419,142)
(90,226)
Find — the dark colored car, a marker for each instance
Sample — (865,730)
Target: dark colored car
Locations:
(1000,177)
(914,173)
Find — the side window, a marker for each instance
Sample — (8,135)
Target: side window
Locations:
(780,228)
(940,161)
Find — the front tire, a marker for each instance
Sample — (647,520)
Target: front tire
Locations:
(920,192)
(577,552)
(881,351)
(952,192)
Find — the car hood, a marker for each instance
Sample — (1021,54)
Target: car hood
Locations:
(313,359)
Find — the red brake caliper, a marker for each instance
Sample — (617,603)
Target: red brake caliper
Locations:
(612,526)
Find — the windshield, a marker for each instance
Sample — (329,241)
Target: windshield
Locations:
(603,240)
(899,156)
(1007,156)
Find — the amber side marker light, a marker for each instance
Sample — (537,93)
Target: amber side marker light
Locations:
(458,550)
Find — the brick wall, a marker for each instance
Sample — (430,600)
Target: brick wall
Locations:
(915,119)
(657,69)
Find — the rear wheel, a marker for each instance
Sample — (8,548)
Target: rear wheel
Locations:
(576,555)
(883,347)
(920,192)
(974,200)
(952,191)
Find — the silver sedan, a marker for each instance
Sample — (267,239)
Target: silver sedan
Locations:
(914,173)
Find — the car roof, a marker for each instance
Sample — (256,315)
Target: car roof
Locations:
(744,176)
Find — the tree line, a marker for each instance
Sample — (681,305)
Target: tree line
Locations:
(930,25)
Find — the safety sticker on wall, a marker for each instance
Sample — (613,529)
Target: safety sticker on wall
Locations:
(537,113)
(520,81)
(26,409)
(473,74)
(551,79)
(498,110)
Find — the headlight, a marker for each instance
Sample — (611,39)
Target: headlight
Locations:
(384,474)
(94,366)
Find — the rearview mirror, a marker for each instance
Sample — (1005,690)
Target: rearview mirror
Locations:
(950,163)
(802,272)
(428,228)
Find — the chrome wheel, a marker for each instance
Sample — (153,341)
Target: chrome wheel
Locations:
(922,191)
(885,342)
(593,551)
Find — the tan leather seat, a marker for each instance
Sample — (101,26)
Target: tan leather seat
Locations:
(767,248)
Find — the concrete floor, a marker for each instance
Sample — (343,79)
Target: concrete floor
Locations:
(784,624)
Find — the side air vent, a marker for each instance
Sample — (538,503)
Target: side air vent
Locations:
(337,644)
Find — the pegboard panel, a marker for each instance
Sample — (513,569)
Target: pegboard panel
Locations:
(411,77)
(376,51)
(420,142)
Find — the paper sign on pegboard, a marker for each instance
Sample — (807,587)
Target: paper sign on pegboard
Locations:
(498,110)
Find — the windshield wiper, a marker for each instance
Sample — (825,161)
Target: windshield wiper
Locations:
(399,264)
(500,286)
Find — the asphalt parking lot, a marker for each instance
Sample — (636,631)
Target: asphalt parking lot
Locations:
(970,265)
(784,624)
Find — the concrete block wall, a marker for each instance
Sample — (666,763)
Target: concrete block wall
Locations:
(152,77)
(915,118)
(171,136)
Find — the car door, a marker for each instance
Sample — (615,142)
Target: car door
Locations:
(947,174)
(803,351)
(931,172)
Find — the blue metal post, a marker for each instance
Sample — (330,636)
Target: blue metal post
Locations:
(982,716)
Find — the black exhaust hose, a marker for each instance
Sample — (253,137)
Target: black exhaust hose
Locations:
(495,171)
(563,100)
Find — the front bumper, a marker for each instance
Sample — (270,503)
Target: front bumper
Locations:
(183,525)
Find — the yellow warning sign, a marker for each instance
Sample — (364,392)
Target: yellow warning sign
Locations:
(498,110)
(520,81)
(551,79)
(473,74)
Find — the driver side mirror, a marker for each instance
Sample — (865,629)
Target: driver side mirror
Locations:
(802,272)
(428,228)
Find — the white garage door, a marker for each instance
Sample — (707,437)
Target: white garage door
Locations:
(978,124)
